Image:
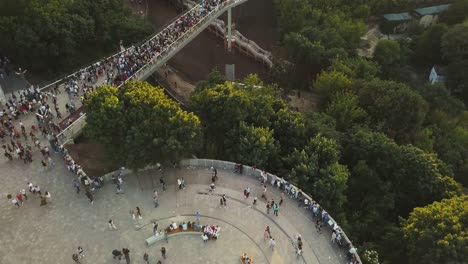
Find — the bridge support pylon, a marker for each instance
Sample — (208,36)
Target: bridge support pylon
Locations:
(229,42)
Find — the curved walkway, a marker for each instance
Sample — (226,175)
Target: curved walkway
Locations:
(51,234)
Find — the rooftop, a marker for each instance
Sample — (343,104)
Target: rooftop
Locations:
(395,17)
(431,10)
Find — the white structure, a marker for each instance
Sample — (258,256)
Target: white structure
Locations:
(436,74)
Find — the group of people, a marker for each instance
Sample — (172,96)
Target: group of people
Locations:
(35,190)
(210,232)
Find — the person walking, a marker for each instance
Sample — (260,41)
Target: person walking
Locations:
(282,198)
(155,199)
(163,252)
(272,243)
(163,183)
(76,258)
(111,225)
(81,252)
(48,197)
(146,258)
(51,162)
(116,254)
(268,208)
(224,200)
(138,213)
(76,184)
(90,196)
(266,233)
(126,253)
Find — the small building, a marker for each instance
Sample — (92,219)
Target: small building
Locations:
(437,74)
(395,22)
(428,16)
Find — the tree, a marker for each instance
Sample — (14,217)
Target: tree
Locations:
(387,53)
(61,35)
(394,107)
(318,172)
(456,13)
(221,108)
(438,233)
(344,107)
(252,145)
(289,129)
(428,50)
(330,82)
(355,68)
(454,50)
(139,125)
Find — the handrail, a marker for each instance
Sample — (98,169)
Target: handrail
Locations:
(220,164)
(158,57)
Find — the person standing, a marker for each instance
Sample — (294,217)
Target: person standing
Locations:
(23,192)
(112,225)
(19,197)
(268,208)
(126,253)
(197,217)
(15,202)
(179,182)
(247,192)
(163,252)
(275,209)
(146,258)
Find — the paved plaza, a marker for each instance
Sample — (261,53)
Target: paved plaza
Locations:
(52,233)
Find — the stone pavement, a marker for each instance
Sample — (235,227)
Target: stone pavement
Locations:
(51,234)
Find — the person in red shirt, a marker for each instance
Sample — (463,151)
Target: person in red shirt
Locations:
(19,197)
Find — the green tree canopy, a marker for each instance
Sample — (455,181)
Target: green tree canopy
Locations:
(454,50)
(67,33)
(387,53)
(316,169)
(252,145)
(438,233)
(139,125)
(394,107)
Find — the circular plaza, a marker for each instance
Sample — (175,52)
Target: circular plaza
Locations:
(52,233)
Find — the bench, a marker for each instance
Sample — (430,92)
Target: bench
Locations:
(177,232)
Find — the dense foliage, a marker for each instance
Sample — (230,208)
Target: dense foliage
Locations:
(369,156)
(139,125)
(438,233)
(60,35)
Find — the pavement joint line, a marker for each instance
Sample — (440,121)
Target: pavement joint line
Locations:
(267,215)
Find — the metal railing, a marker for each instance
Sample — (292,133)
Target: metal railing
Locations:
(249,171)
(146,70)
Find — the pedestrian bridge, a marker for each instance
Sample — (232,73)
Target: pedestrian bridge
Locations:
(167,51)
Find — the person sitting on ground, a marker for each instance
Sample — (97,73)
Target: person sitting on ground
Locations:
(184,226)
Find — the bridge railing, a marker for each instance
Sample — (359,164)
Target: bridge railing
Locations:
(141,43)
(249,171)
